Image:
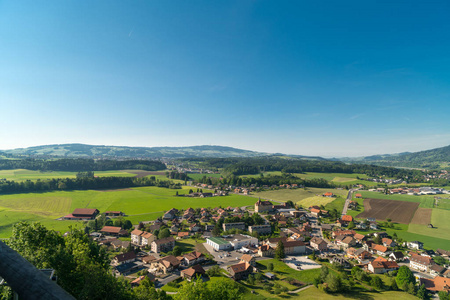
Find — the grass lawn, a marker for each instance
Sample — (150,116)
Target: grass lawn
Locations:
(188,245)
(140,204)
(354,213)
(316,294)
(282,271)
(337,204)
(296,195)
(316,200)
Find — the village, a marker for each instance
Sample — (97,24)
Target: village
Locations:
(196,243)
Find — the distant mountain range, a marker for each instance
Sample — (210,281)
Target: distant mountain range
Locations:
(94,151)
(437,158)
(429,159)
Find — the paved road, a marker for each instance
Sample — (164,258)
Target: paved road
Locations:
(316,232)
(347,202)
(175,275)
(300,289)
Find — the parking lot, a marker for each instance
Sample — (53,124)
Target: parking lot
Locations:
(301,263)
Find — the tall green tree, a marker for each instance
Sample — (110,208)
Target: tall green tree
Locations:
(443,295)
(422,293)
(279,252)
(376,282)
(163,233)
(334,283)
(404,275)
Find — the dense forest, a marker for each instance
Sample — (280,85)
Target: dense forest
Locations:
(80,164)
(81,183)
(247,166)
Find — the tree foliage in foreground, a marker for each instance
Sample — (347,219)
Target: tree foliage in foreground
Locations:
(222,289)
(81,265)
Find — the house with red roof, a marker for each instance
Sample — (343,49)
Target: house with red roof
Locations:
(381,265)
(346,219)
(82,214)
(421,263)
(380,250)
(240,271)
(193,272)
(113,230)
(437,284)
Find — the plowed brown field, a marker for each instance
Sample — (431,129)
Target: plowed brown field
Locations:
(422,216)
(397,211)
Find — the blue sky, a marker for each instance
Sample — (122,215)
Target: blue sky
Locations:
(330,78)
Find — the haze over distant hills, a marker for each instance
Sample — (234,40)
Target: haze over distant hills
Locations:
(429,159)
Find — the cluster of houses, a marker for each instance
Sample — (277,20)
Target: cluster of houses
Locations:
(130,262)
(419,191)
(442,174)
(387,181)
(381,258)
(295,235)
(413,191)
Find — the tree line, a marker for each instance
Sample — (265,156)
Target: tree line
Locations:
(80,164)
(269,181)
(248,166)
(82,183)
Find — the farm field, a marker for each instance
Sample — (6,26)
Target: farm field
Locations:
(440,219)
(297,195)
(22,174)
(422,216)
(397,211)
(337,178)
(140,204)
(425,201)
(443,203)
(417,228)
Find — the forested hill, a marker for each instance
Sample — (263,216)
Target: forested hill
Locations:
(91,151)
(438,158)
(94,151)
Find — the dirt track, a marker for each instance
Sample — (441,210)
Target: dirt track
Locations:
(397,211)
(422,216)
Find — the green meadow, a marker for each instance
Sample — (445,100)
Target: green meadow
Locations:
(139,204)
(22,174)
(305,197)
(336,178)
